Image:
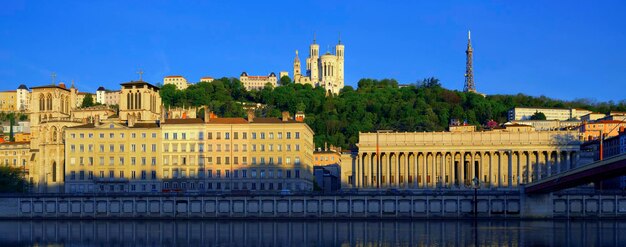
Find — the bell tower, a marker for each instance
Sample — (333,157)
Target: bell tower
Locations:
(313,62)
(296,66)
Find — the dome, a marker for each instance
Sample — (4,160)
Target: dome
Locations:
(22,86)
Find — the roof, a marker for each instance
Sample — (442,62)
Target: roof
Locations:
(206,77)
(101,88)
(22,86)
(13,143)
(272,120)
(609,122)
(228,120)
(174,76)
(183,121)
(138,83)
(137,125)
(50,86)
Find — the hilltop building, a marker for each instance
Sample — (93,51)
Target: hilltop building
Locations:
(255,82)
(524,113)
(322,71)
(177,80)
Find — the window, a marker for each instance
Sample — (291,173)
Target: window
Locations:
(244,147)
(121,147)
(143,147)
(297,173)
(133,160)
(111,161)
(73,148)
(143,175)
(288,135)
(183,136)
(297,147)
(153,162)
(133,148)
(210,135)
(121,160)
(244,135)
(154,147)
(271,134)
(236,135)
(200,135)
(175,136)
(111,135)
(121,174)
(297,135)
(73,175)
(227,136)
(101,135)
(143,135)
(166,136)
(153,175)
(262,135)
(253,135)
(111,148)
(280,135)
(133,135)
(154,135)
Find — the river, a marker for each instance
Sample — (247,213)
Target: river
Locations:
(313,233)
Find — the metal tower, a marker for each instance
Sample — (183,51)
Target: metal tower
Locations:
(469,71)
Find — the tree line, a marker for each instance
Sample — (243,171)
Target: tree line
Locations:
(374,105)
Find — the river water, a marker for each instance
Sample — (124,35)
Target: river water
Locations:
(313,233)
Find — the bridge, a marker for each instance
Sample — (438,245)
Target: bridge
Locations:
(600,170)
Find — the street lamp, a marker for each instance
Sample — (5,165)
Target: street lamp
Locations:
(476,184)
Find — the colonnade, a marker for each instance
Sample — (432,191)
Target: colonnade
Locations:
(458,169)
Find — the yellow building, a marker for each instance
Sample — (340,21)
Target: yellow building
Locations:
(140,100)
(8,101)
(179,81)
(253,82)
(327,156)
(256,154)
(503,158)
(108,156)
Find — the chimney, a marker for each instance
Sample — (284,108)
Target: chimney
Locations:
(285,116)
(207,115)
(250,116)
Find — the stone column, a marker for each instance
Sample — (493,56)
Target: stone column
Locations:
(529,168)
(549,163)
(462,171)
(510,169)
(567,162)
(415,170)
(443,169)
(558,162)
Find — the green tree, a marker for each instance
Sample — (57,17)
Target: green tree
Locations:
(87,101)
(285,80)
(538,116)
(12,180)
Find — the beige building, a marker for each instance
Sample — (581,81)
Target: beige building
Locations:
(504,158)
(109,156)
(23,98)
(177,80)
(322,71)
(254,82)
(8,101)
(112,97)
(548,125)
(258,154)
(102,111)
(524,113)
(206,79)
(140,100)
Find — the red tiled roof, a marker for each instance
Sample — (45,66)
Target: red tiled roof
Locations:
(174,76)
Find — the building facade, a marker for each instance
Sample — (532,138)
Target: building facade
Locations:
(524,113)
(322,71)
(254,82)
(453,159)
(217,154)
(23,98)
(179,81)
(8,101)
(607,128)
(112,97)
(109,156)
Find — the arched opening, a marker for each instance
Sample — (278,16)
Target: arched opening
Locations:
(42,102)
(54,171)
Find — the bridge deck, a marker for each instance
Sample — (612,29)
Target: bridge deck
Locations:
(597,171)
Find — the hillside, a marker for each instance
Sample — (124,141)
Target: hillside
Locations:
(375,104)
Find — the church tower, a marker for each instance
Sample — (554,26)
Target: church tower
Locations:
(312,63)
(339,48)
(296,66)
(469,71)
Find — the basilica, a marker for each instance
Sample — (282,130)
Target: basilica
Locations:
(322,71)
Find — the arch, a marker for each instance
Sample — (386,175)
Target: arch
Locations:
(42,102)
(128,100)
(49,102)
(53,134)
(54,171)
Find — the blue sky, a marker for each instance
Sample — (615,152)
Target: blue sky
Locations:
(561,49)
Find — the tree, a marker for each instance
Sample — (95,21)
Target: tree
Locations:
(285,80)
(12,122)
(87,101)
(12,180)
(538,116)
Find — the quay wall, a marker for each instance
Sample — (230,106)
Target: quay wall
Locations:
(493,205)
